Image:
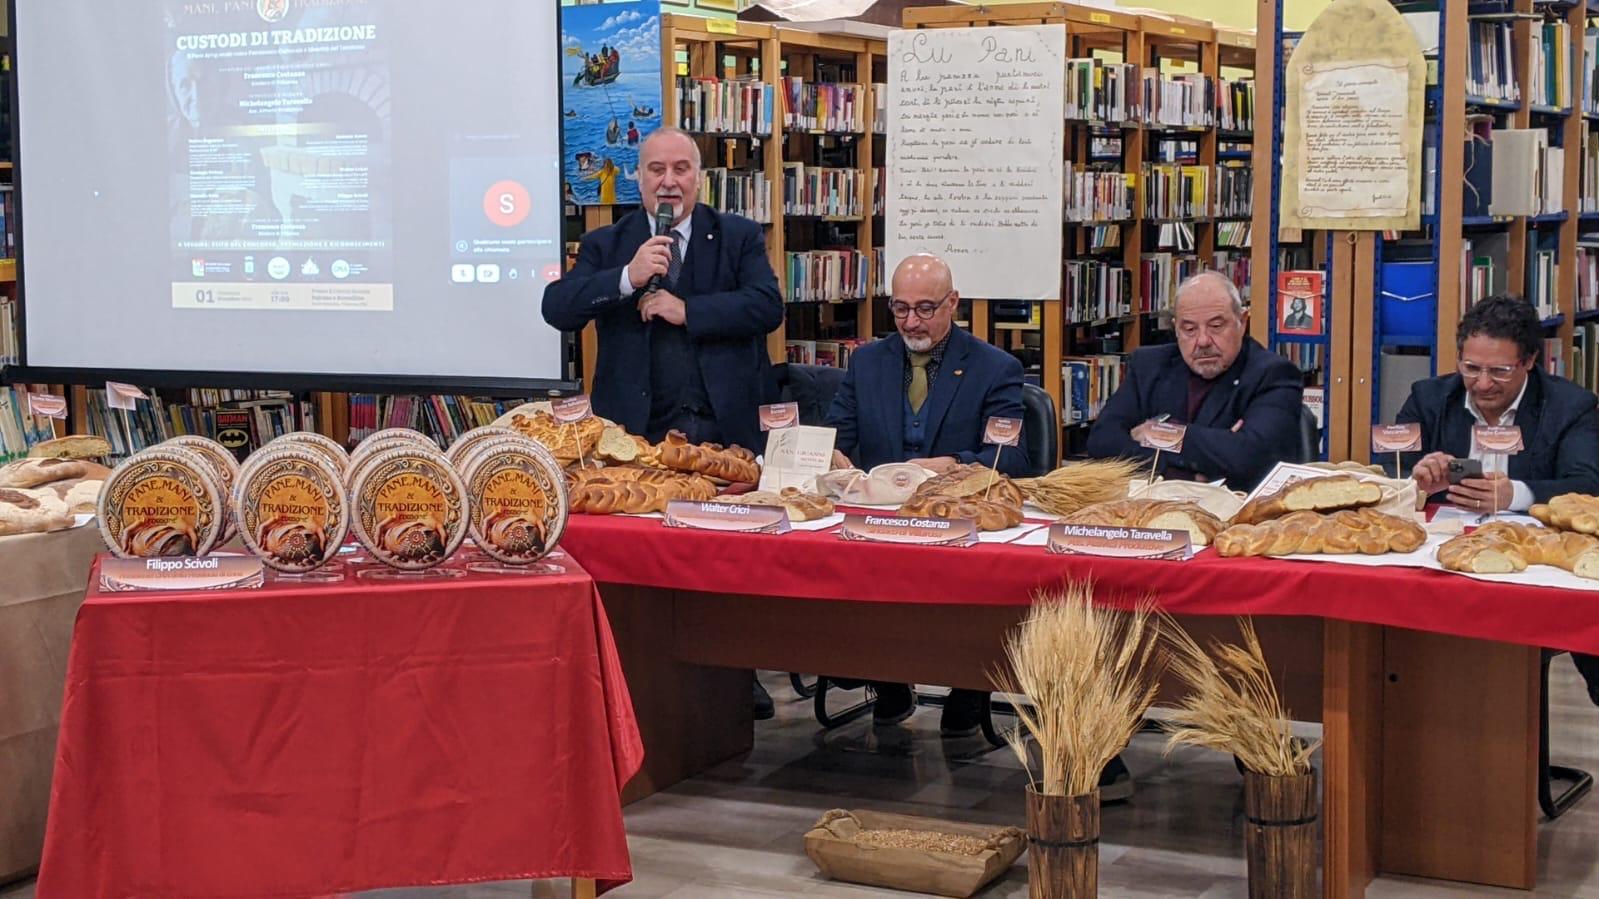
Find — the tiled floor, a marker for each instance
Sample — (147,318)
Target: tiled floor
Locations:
(738,830)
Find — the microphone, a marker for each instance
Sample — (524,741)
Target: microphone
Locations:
(664,214)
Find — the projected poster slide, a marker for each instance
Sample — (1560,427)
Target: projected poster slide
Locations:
(279,151)
(610,96)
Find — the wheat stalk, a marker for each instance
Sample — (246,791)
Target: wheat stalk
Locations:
(1233,705)
(1088,674)
(1067,489)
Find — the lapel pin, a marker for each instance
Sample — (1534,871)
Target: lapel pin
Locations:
(959,372)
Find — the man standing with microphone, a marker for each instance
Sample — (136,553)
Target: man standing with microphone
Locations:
(682,297)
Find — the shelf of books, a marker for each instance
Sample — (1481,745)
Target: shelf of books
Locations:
(832,181)
(1504,203)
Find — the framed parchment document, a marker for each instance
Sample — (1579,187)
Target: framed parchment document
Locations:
(1353,123)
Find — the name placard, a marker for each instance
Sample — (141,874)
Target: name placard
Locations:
(571,409)
(778,416)
(907,529)
(1505,439)
(181,573)
(1120,542)
(1405,438)
(1164,436)
(1002,431)
(727,517)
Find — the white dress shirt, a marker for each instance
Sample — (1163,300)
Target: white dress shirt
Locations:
(682,231)
(1521,498)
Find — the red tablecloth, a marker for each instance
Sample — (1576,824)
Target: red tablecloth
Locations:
(818,565)
(310,739)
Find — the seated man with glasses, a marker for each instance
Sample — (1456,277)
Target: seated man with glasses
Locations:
(924,395)
(1499,383)
(1241,402)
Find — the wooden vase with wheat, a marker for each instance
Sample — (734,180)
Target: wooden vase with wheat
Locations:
(1087,674)
(1234,707)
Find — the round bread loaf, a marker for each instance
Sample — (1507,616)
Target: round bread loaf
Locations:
(291,508)
(162,501)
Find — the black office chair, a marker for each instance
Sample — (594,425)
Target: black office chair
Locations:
(1580,781)
(1309,436)
(1040,430)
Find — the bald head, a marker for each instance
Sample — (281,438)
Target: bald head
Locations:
(1209,318)
(923,283)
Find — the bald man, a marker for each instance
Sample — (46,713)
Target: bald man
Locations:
(924,396)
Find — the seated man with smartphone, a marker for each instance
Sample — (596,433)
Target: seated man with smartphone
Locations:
(1499,383)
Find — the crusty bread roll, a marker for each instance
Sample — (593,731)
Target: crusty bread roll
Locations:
(24,511)
(801,506)
(1172,515)
(676,485)
(26,473)
(1364,531)
(601,497)
(974,480)
(1328,494)
(710,460)
(1502,547)
(616,445)
(75,446)
(990,516)
(1569,512)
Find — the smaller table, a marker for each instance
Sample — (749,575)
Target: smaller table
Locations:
(306,739)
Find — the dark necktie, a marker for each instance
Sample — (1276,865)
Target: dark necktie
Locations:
(675,267)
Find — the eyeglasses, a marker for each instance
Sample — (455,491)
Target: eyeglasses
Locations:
(1471,371)
(924,310)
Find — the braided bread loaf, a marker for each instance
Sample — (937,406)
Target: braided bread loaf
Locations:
(1502,547)
(676,484)
(600,497)
(1364,531)
(1569,512)
(1164,514)
(1327,494)
(727,464)
(989,515)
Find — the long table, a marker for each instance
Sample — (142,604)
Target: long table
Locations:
(1427,683)
(308,739)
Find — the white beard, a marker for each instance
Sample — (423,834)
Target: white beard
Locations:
(918,344)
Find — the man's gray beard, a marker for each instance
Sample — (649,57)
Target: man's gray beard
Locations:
(918,344)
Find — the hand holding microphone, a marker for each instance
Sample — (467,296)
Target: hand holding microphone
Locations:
(653,260)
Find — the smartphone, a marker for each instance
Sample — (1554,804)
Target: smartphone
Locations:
(1460,469)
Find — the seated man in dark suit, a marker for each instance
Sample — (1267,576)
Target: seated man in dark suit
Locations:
(1241,403)
(924,395)
(1498,382)
(682,318)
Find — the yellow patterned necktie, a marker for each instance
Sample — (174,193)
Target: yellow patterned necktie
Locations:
(917,392)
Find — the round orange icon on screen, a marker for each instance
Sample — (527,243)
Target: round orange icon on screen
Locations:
(506,203)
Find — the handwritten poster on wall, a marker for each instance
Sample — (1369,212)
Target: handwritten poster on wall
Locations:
(976,127)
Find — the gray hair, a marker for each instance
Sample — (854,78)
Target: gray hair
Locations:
(1239,307)
(667,131)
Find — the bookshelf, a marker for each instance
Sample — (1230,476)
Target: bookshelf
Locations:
(832,153)
(1147,154)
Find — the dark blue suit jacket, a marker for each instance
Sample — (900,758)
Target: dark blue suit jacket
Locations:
(1559,424)
(1262,388)
(975,382)
(733,304)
